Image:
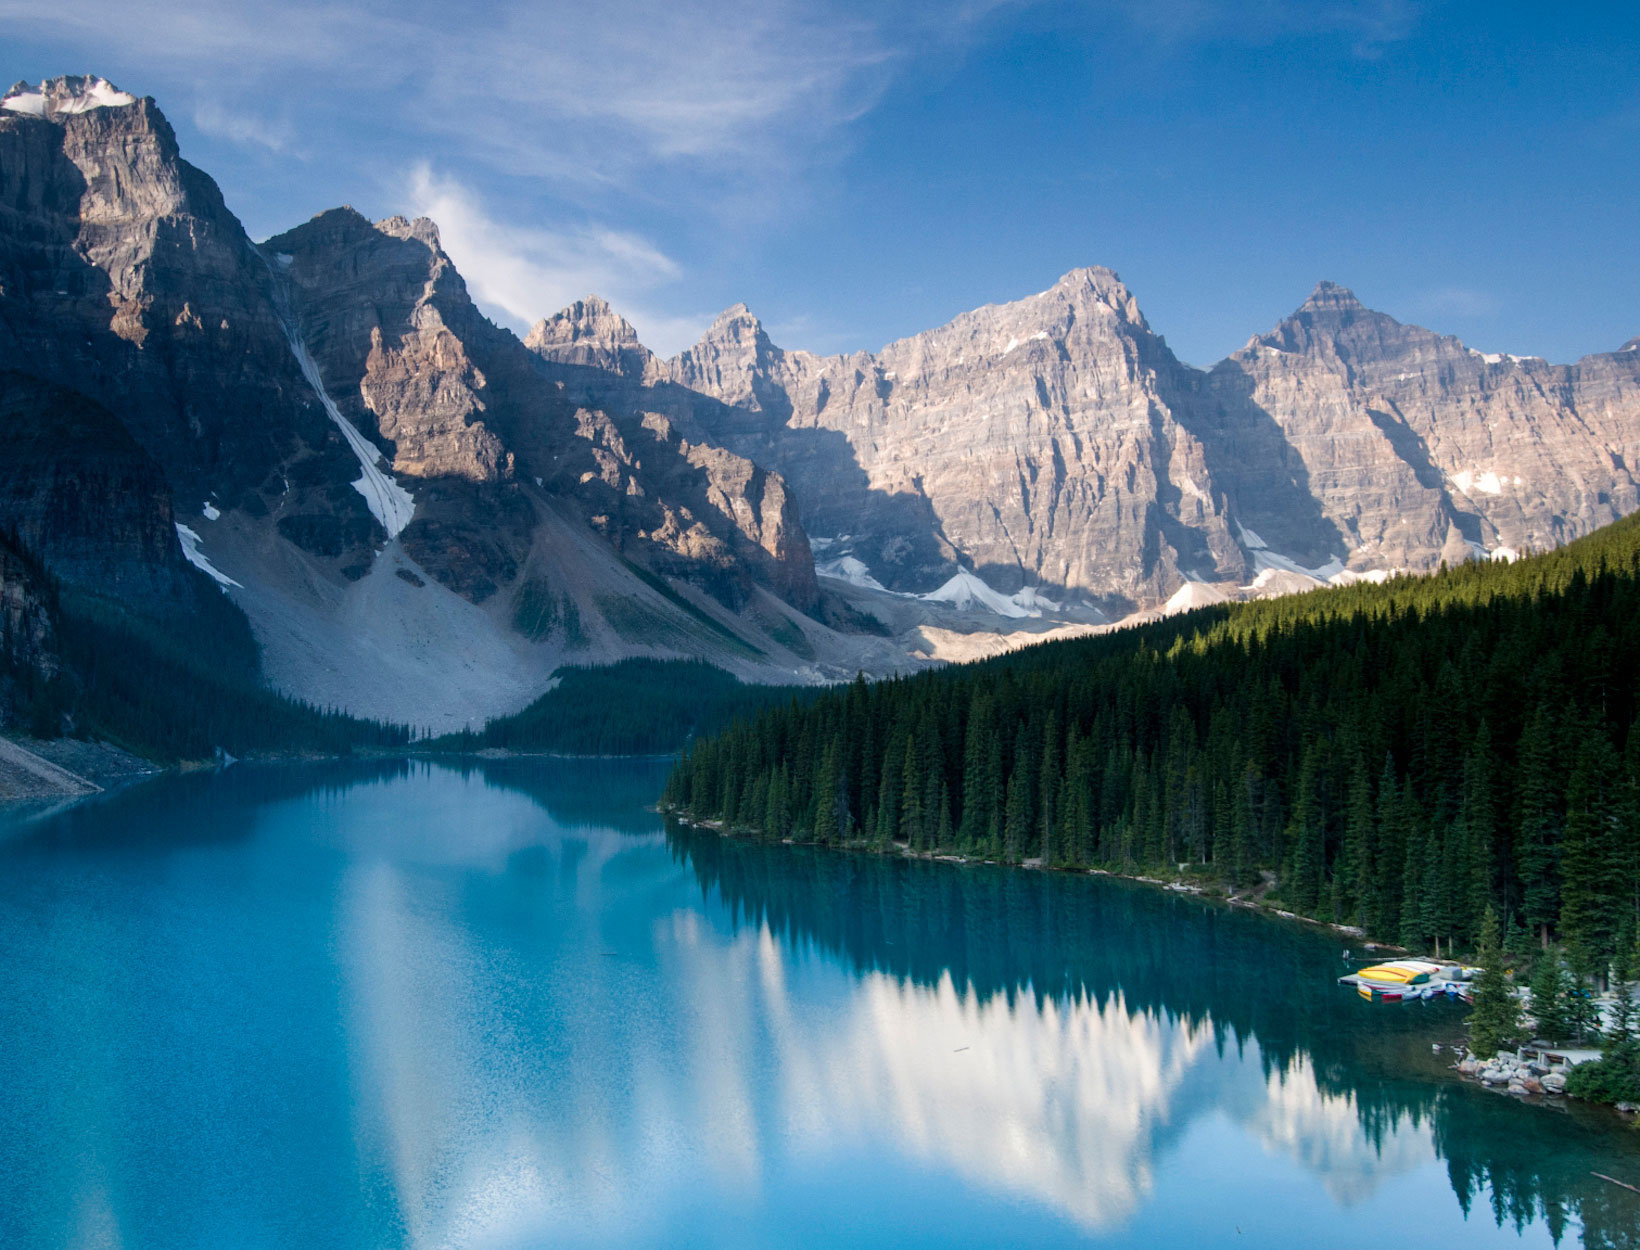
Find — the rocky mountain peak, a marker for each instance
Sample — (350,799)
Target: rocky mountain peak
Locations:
(422,230)
(59,97)
(1330,297)
(590,332)
(1633,345)
(735,324)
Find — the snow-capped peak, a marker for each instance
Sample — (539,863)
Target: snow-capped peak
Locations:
(57,97)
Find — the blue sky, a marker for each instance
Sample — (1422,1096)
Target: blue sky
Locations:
(859,172)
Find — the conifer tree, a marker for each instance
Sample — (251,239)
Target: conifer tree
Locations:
(1549,990)
(1495,1022)
(1538,826)
(1587,913)
(1308,834)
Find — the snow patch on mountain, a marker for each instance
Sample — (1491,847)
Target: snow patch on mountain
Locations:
(1194,595)
(848,569)
(1486,482)
(190,550)
(54,98)
(965,590)
(389,502)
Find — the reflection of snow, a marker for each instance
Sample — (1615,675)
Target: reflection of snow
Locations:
(1323,1132)
(1057,1101)
(516,1084)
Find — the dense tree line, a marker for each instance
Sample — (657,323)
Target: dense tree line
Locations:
(634,707)
(1400,756)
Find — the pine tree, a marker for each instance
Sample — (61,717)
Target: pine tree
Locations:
(911,788)
(1495,1022)
(1415,930)
(1308,833)
(1018,815)
(1549,989)
(1477,821)
(1048,789)
(1355,880)
(888,799)
(1538,826)
(830,816)
(1587,911)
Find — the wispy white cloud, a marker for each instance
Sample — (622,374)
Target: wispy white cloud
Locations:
(215,119)
(544,89)
(1458,301)
(526,273)
(1369,25)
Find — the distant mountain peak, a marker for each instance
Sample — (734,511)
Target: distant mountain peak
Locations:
(735,314)
(422,229)
(58,97)
(1097,277)
(1331,296)
(590,332)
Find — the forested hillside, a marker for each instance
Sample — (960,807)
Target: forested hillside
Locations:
(1400,756)
(634,707)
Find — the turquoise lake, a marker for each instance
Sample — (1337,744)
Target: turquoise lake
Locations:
(412,1005)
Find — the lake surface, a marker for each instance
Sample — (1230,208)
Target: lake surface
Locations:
(409,1005)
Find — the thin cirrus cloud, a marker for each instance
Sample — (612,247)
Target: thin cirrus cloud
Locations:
(528,273)
(215,119)
(631,111)
(1458,301)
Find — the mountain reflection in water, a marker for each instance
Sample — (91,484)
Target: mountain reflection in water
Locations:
(500,1006)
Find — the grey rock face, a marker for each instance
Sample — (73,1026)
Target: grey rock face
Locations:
(1047,442)
(123,276)
(1418,449)
(79,493)
(462,403)
(1057,442)
(28,628)
(590,333)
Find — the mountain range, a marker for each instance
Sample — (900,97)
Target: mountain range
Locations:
(424,516)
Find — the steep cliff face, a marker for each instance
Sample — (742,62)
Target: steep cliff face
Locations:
(79,493)
(1045,443)
(464,403)
(28,626)
(1419,448)
(123,276)
(1056,443)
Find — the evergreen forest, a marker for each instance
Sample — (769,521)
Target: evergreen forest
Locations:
(632,707)
(1399,756)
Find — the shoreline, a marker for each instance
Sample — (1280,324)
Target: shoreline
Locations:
(1466,1069)
(1211,892)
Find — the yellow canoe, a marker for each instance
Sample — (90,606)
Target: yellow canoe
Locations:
(1399,972)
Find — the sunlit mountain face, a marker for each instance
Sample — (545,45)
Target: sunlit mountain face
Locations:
(508,1009)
